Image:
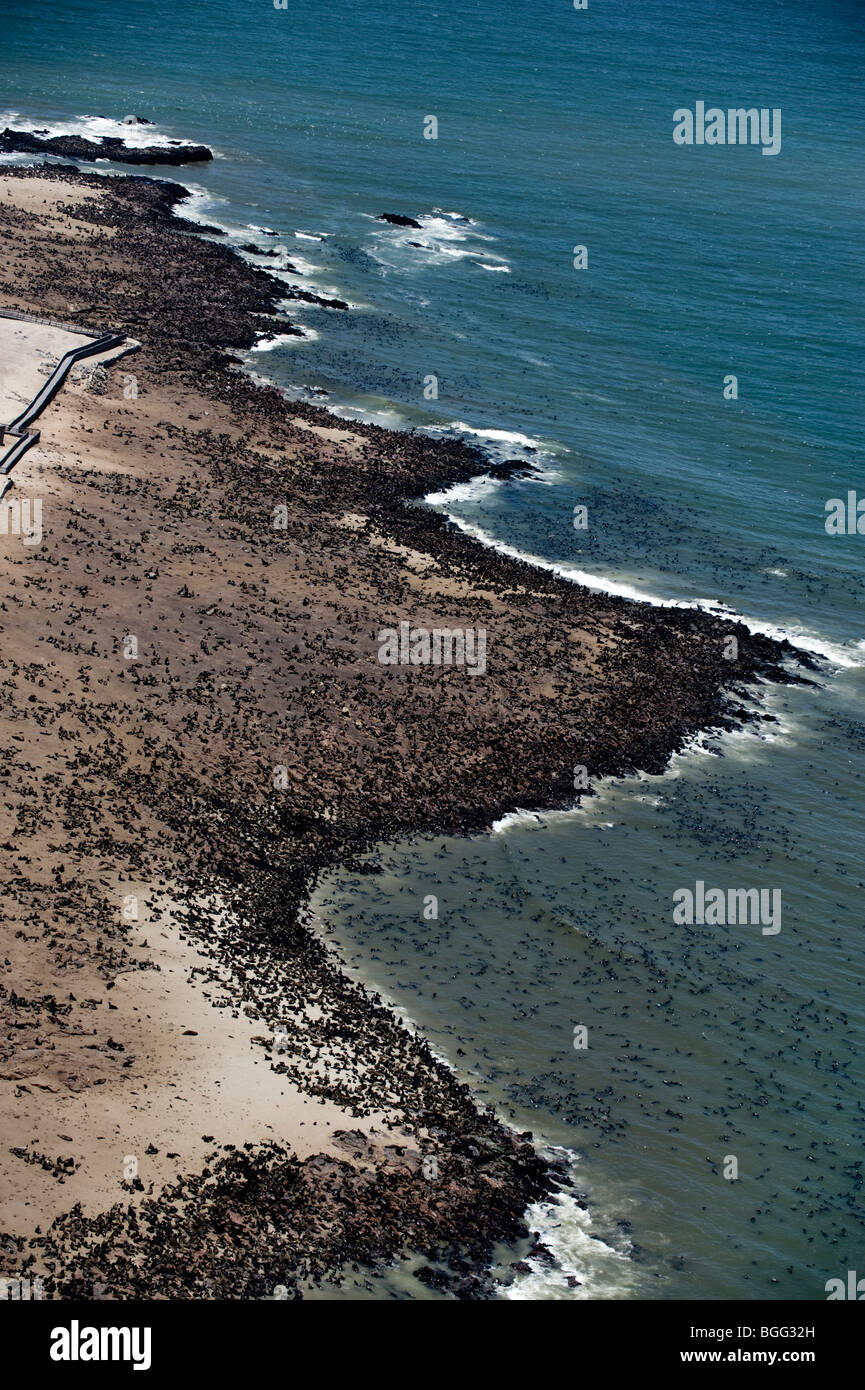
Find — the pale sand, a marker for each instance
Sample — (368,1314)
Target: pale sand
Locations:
(29,352)
(49,201)
(195,1071)
(41,196)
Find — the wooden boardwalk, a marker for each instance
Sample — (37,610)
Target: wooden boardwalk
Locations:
(35,359)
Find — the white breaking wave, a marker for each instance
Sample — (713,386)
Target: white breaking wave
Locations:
(204,208)
(441,236)
(503,445)
(598,1269)
(516,818)
(611,795)
(200,207)
(278,340)
(523,441)
(455,216)
(475,490)
(301,265)
(95,128)
(803,638)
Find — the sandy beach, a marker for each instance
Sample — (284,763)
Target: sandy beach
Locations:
(163,996)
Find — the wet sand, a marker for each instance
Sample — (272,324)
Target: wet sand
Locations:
(279,1116)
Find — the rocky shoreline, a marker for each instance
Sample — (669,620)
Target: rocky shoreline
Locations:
(290,679)
(111,147)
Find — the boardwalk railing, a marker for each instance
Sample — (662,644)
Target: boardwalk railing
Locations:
(18,426)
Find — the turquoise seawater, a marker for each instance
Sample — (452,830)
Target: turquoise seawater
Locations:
(555,126)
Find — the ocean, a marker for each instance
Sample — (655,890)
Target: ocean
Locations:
(713,1119)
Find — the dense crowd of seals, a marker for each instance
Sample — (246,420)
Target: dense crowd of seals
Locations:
(278,667)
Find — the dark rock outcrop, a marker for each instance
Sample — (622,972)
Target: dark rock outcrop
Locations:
(398,219)
(254,250)
(109,147)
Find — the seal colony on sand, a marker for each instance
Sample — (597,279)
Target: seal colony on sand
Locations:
(150,780)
